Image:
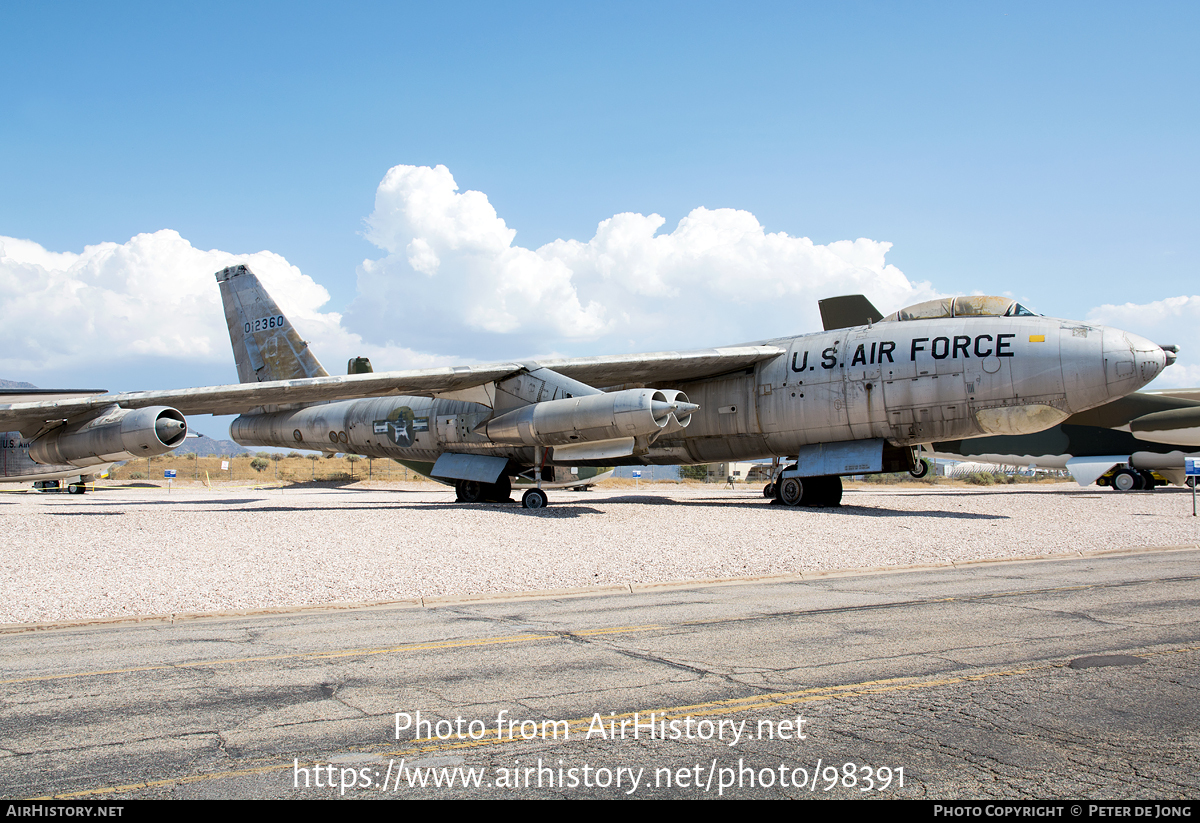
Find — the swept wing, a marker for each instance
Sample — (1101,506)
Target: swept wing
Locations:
(239,398)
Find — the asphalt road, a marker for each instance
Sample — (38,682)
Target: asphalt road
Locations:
(948,683)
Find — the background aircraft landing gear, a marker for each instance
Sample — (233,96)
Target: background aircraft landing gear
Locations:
(46,485)
(1127,480)
(534,499)
(76,488)
(920,469)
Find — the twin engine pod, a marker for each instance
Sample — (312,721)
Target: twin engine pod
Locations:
(593,417)
(115,434)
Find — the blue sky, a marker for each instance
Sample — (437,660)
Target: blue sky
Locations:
(1042,150)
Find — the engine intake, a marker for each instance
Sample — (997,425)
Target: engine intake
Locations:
(115,434)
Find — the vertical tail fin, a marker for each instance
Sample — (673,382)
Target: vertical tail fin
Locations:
(265,345)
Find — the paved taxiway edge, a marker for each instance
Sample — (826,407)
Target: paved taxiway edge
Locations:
(558,594)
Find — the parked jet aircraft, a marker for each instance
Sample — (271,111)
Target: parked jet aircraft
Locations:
(846,401)
(1121,444)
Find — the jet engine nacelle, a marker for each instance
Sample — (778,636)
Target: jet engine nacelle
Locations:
(593,417)
(115,434)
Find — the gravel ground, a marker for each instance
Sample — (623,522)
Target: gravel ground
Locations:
(124,552)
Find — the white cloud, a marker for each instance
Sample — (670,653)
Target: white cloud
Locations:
(451,285)
(1173,320)
(453,280)
(151,297)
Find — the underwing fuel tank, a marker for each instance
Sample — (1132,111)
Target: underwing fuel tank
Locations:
(115,434)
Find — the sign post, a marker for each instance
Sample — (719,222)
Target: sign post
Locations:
(169,474)
(1191,468)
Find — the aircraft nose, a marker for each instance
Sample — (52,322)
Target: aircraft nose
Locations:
(1130,361)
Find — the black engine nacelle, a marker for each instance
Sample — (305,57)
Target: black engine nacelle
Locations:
(114,434)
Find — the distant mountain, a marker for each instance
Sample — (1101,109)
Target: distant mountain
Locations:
(15,384)
(205,446)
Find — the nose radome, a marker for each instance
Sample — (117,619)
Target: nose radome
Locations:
(1130,361)
(1150,358)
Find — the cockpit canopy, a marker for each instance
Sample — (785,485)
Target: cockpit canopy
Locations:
(972,306)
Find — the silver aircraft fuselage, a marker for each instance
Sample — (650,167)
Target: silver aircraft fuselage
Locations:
(16,466)
(907,382)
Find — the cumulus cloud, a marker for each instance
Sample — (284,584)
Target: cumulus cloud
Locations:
(1173,320)
(453,281)
(151,297)
(452,285)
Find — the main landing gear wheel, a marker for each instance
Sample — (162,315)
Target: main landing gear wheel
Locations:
(472,491)
(534,499)
(76,488)
(920,470)
(811,491)
(769,490)
(791,491)
(499,491)
(469,491)
(828,492)
(1127,480)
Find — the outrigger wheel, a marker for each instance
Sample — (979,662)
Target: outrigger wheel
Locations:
(534,499)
